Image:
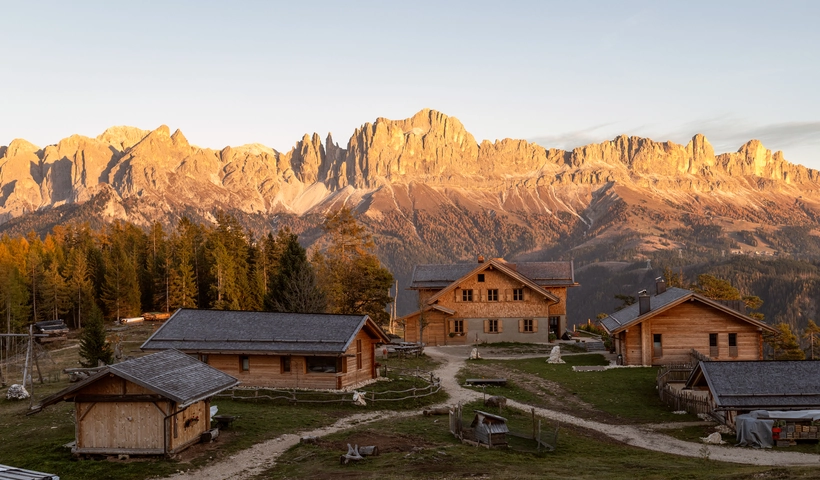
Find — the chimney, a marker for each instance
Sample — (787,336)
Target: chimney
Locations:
(660,285)
(481,259)
(643,302)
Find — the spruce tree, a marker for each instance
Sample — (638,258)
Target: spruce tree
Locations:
(93,346)
(293,287)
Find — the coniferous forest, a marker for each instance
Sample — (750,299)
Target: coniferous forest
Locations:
(122,270)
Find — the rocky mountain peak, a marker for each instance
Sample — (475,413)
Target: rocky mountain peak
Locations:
(19,146)
(122,137)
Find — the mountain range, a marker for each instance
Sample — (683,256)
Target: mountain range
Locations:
(429,193)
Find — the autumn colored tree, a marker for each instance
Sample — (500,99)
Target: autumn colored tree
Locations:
(811,333)
(350,274)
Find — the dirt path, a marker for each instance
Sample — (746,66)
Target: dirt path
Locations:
(637,436)
(262,456)
(253,461)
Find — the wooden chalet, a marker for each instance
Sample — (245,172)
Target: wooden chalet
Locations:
(664,328)
(489,301)
(283,350)
(153,405)
(735,388)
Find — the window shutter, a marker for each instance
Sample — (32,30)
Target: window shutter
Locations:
(534,325)
(508,295)
(452,325)
(458,295)
(500,325)
(486,326)
(521,325)
(526,294)
(475,295)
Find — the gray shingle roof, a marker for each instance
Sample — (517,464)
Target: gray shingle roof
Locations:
(175,375)
(543,273)
(780,385)
(631,313)
(169,373)
(269,332)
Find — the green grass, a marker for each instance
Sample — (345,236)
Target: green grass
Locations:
(580,455)
(627,393)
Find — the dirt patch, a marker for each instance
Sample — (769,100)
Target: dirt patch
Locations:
(386,442)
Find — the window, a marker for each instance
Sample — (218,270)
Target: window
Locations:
(528,325)
(322,365)
(713,345)
(244,364)
(358,354)
(492,295)
(518,294)
(480,277)
(458,326)
(657,345)
(492,326)
(466,295)
(284,364)
(732,344)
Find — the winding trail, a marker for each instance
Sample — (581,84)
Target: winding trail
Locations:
(637,436)
(262,456)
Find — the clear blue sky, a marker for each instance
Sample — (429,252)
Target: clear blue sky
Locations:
(561,73)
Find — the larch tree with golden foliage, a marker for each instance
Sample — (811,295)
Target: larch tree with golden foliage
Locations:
(351,275)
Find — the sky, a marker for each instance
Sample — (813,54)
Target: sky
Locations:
(562,74)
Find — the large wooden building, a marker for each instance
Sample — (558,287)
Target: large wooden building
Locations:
(285,350)
(489,301)
(153,405)
(664,328)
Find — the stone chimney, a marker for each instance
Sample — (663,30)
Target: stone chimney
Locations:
(481,259)
(660,285)
(643,302)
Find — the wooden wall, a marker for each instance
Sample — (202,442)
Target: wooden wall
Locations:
(533,305)
(687,326)
(181,436)
(122,426)
(354,374)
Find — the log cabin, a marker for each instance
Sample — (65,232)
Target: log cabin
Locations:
(153,405)
(278,350)
(489,301)
(664,328)
(736,388)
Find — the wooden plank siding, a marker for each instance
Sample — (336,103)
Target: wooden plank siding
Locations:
(505,309)
(267,371)
(684,327)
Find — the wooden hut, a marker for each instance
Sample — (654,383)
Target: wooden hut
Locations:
(490,429)
(279,350)
(664,328)
(153,405)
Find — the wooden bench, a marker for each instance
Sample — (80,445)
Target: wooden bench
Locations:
(501,382)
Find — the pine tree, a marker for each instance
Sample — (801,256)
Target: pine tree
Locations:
(56,299)
(293,288)
(79,283)
(182,290)
(121,293)
(93,345)
(784,343)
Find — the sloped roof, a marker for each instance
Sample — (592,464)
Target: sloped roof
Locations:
(752,385)
(501,267)
(268,332)
(170,373)
(545,274)
(658,303)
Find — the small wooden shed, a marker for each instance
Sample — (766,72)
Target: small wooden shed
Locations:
(490,429)
(153,405)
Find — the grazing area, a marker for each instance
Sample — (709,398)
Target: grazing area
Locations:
(422,447)
(622,395)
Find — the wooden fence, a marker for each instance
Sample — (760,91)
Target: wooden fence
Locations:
(295,396)
(682,400)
